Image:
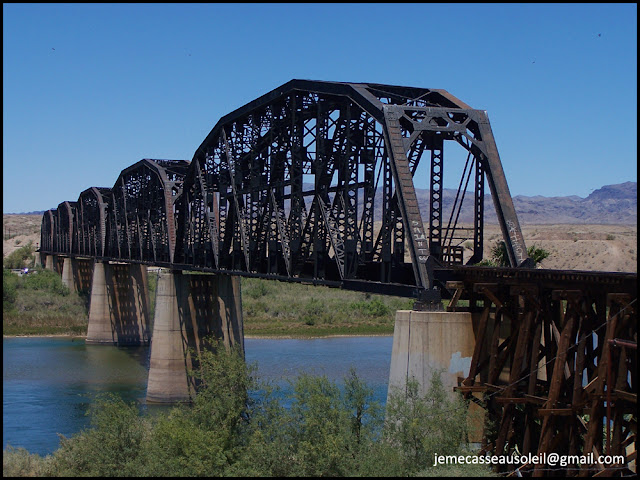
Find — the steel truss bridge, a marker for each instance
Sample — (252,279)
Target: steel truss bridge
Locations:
(313,182)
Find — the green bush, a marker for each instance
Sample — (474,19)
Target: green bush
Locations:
(422,426)
(372,308)
(313,311)
(18,462)
(500,258)
(115,446)
(47,280)
(9,285)
(19,257)
(256,287)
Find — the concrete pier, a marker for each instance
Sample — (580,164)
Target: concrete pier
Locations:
(37,262)
(189,308)
(425,342)
(119,308)
(100,329)
(49,262)
(67,274)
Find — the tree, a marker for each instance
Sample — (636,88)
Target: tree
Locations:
(500,257)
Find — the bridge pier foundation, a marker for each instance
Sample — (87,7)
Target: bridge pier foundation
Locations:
(119,305)
(188,309)
(425,342)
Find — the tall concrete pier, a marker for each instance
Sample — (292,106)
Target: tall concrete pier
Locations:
(77,273)
(428,342)
(190,307)
(49,262)
(424,342)
(67,274)
(119,308)
(37,261)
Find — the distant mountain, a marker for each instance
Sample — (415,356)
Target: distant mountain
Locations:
(37,212)
(611,204)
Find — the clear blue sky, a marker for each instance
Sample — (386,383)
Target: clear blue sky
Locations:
(89,89)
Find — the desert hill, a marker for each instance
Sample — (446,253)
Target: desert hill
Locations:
(611,204)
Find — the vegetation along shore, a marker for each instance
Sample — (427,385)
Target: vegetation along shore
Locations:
(39,304)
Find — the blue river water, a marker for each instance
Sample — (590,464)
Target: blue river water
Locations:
(48,382)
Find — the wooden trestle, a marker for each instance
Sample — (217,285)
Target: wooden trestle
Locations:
(554,365)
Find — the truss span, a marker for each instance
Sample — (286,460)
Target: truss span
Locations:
(311,182)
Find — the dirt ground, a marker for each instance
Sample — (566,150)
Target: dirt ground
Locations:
(18,231)
(609,248)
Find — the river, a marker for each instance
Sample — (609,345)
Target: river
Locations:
(48,382)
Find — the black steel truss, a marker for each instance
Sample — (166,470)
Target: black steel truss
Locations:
(287,187)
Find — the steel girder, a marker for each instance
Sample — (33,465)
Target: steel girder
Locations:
(63,238)
(47,230)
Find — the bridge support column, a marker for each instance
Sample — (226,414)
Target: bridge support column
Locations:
(425,342)
(37,262)
(49,262)
(188,309)
(67,274)
(100,329)
(119,308)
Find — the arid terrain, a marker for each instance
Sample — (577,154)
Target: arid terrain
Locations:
(19,230)
(610,248)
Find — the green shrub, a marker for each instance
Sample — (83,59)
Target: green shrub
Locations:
(114,446)
(372,308)
(500,258)
(18,462)
(9,285)
(420,426)
(256,288)
(45,280)
(313,311)
(19,257)
(325,431)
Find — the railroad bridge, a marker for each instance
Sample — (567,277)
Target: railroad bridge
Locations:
(313,182)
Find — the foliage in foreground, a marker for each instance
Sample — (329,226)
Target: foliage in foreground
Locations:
(239,426)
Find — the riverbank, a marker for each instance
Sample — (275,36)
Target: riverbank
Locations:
(38,304)
(251,337)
